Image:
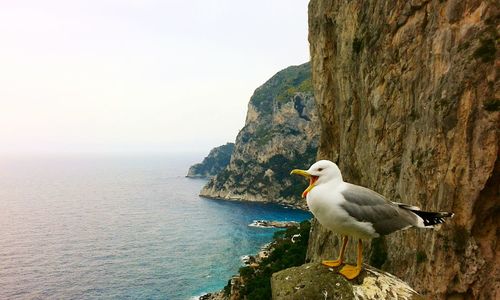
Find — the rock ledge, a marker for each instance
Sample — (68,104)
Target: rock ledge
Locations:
(314,281)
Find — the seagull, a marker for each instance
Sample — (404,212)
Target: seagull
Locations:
(355,211)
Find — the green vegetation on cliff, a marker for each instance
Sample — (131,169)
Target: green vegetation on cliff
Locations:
(283,86)
(285,254)
(281,133)
(217,160)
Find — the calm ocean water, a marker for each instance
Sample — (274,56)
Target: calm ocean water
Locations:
(119,227)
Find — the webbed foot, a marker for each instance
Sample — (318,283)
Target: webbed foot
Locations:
(350,272)
(332,263)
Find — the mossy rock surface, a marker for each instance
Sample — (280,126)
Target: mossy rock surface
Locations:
(314,281)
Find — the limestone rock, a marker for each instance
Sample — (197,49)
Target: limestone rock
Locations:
(214,296)
(216,161)
(281,132)
(273,224)
(408,100)
(314,281)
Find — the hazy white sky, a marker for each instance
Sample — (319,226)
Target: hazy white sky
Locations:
(138,75)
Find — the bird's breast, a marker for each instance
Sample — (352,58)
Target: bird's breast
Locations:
(325,205)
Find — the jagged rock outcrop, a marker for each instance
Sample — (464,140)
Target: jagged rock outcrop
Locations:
(315,282)
(281,132)
(273,224)
(216,161)
(214,296)
(407,93)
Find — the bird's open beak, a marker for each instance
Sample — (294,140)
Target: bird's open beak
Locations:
(312,180)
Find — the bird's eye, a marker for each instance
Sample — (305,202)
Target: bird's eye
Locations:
(320,169)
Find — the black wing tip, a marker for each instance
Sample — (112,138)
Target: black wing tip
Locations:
(433,218)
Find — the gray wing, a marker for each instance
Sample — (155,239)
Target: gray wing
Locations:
(366,205)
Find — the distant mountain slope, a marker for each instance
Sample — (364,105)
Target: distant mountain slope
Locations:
(216,161)
(281,132)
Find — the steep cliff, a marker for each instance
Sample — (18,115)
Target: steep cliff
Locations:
(408,101)
(216,161)
(281,130)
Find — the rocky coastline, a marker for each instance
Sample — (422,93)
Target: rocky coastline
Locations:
(295,234)
(273,224)
(281,131)
(301,205)
(213,163)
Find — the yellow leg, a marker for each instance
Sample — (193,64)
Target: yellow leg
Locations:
(351,272)
(338,261)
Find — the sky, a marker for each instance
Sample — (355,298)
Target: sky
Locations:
(138,75)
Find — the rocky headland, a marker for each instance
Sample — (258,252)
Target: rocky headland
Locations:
(281,131)
(213,163)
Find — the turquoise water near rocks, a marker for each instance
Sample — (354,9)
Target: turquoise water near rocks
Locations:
(119,227)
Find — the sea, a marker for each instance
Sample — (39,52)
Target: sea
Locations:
(120,227)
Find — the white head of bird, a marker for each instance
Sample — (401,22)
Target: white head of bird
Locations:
(321,172)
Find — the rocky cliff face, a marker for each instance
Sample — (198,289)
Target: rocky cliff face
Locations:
(281,131)
(216,161)
(408,100)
